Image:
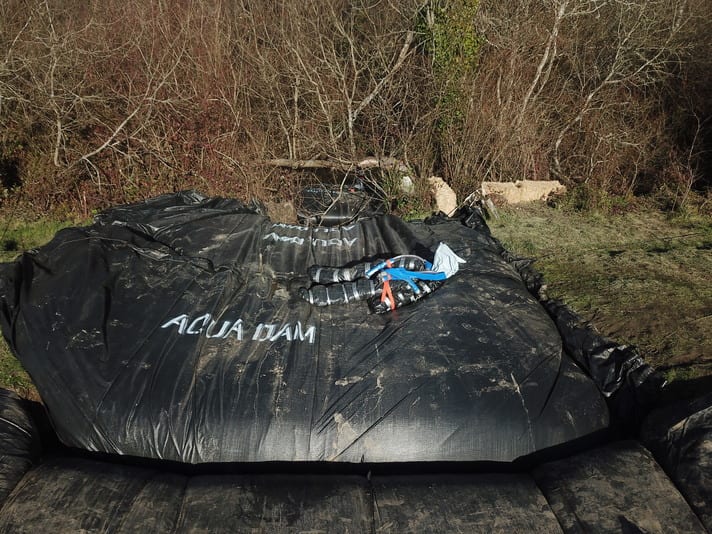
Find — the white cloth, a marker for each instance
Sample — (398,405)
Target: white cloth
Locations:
(446,261)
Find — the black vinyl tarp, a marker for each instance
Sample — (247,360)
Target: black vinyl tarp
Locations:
(680,437)
(616,487)
(173,329)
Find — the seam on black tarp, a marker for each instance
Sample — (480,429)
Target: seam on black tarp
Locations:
(314,396)
(380,419)
(122,519)
(373,501)
(181,508)
(15,425)
(548,503)
(554,384)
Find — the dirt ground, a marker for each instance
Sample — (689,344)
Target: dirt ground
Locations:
(641,277)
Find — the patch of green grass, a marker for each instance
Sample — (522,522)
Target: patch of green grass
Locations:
(17,236)
(676,373)
(13,376)
(640,277)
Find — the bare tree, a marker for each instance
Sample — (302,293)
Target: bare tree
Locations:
(323,66)
(563,82)
(118,101)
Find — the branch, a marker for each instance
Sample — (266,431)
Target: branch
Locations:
(561,12)
(386,163)
(288,163)
(399,62)
(149,96)
(116,132)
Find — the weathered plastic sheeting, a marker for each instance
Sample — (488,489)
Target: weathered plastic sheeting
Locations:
(81,495)
(492,503)
(19,442)
(338,205)
(680,437)
(66,494)
(620,371)
(616,488)
(277,503)
(173,329)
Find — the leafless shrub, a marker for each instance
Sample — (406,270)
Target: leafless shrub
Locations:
(572,88)
(103,103)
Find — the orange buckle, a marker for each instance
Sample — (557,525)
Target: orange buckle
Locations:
(388,294)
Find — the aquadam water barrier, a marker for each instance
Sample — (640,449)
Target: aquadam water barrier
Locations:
(191,387)
(174,329)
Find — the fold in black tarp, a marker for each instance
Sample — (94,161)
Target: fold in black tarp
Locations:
(19,442)
(616,488)
(630,385)
(680,437)
(172,329)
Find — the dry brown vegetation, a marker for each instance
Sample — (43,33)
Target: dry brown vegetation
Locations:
(112,102)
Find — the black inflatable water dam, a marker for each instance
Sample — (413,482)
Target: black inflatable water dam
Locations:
(190,389)
(172,329)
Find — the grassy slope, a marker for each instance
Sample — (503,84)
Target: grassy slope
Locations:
(640,277)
